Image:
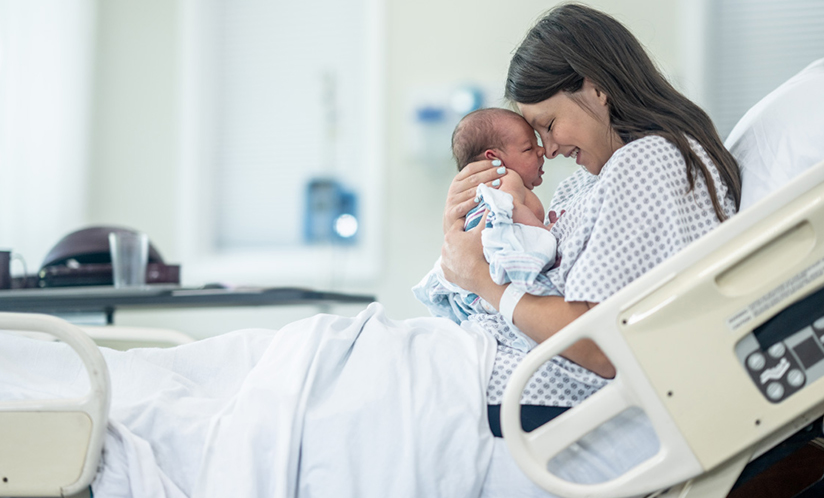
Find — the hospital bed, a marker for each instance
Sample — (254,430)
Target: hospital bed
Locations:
(57,443)
(722,347)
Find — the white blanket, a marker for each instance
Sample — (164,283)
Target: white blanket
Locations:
(327,406)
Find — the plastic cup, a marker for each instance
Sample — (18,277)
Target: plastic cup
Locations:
(6,257)
(130,254)
(5,271)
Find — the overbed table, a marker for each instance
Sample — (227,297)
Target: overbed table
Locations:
(103,301)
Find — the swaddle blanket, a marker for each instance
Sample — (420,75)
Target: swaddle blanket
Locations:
(517,254)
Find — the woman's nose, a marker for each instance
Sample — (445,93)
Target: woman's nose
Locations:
(550,150)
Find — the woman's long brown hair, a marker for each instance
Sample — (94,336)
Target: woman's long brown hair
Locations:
(573,42)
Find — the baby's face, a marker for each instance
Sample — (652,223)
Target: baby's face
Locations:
(521,152)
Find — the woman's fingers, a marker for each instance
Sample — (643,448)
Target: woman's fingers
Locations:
(456,212)
(461,196)
(480,172)
(457,227)
(462,255)
(457,205)
(466,195)
(449,261)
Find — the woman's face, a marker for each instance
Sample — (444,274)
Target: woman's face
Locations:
(581,131)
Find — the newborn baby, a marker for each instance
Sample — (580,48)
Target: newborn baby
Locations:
(502,134)
(517,244)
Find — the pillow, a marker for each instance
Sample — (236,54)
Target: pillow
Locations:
(781,136)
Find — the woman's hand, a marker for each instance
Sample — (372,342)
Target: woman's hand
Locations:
(462,257)
(461,196)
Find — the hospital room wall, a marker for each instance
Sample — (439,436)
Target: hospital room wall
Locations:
(135,124)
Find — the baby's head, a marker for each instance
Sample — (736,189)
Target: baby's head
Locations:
(499,134)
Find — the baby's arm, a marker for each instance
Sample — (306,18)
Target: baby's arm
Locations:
(534,206)
(526,207)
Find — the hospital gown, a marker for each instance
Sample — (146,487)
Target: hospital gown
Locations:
(616,227)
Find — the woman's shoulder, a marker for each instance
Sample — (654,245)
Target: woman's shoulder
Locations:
(643,155)
(650,146)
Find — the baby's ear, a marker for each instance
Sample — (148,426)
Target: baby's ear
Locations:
(490,154)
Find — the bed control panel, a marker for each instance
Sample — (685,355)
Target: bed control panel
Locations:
(786,353)
(788,365)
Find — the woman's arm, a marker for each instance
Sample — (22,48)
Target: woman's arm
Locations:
(540,317)
(537,316)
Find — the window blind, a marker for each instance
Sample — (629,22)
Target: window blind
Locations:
(754,46)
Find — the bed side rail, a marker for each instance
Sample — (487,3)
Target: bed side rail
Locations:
(682,338)
(52,447)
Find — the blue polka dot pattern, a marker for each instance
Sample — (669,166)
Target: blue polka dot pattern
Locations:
(616,226)
(639,213)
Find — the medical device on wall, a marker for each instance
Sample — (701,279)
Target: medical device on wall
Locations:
(331,215)
(721,346)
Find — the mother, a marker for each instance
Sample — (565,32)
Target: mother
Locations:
(662,177)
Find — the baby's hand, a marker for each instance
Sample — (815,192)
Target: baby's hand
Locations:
(553,217)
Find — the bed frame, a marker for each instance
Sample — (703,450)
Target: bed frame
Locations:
(52,447)
(720,346)
(682,337)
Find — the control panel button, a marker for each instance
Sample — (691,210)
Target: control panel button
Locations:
(775,391)
(795,377)
(818,325)
(777,350)
(756,361)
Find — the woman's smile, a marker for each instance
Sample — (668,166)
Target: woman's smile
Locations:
(571,123)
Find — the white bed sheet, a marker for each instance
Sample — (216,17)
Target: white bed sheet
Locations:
(327,406)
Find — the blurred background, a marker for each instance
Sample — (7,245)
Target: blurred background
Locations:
(304,143)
